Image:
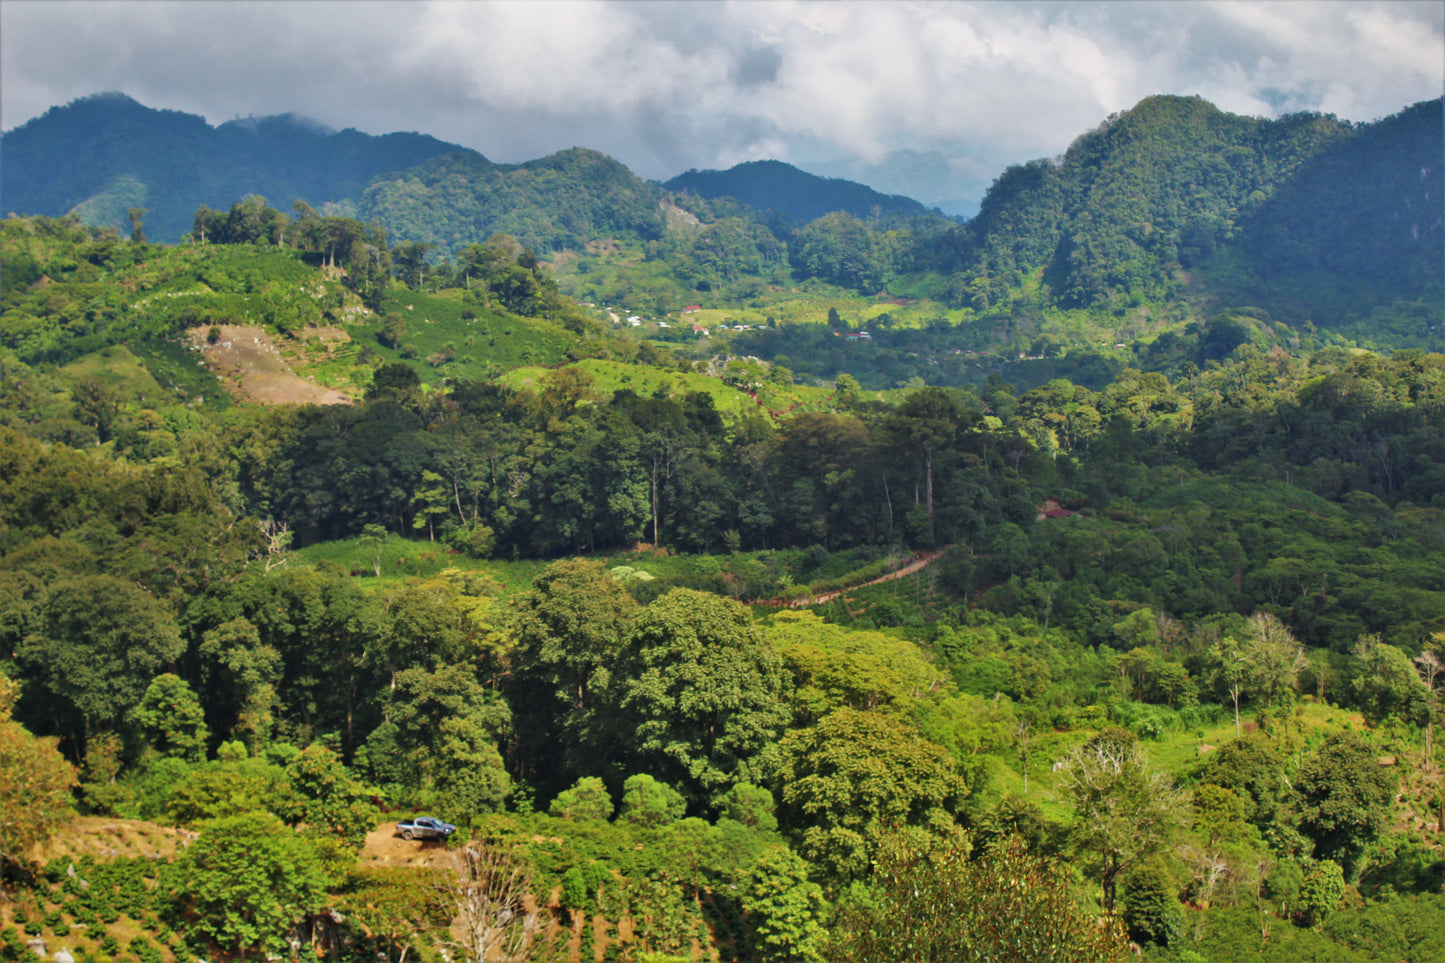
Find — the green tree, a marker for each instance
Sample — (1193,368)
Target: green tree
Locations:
(100,642)
(397,382)
(471,776)
(786,910)
(171,719)
(1320,895)
(1231,673)
(323,796)
(854,775)
(1151,911)
(847,392)
(226,787)
(570,630)
(425,630)
(243,883)
(587,799)
(750,806)
(1342,798)
(704,693)
(35,783)
(393,329)
(575,894)
(322,625)
(648,802)
(927,422)
(447,726)
(243,674)
(409,259)
(96,404)
(430,503)
(397,904)
(1124,811)
(1386,684)
(928,900)
(373,541)
(1253,768)
(136,216)
(1275,660)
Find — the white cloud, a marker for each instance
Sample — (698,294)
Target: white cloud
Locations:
(667,85)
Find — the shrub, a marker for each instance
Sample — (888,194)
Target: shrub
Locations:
(575,895)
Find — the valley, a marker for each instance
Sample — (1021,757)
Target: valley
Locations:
(892,587)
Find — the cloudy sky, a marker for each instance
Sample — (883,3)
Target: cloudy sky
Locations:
(931,99)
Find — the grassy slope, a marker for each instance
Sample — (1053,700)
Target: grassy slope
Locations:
(609,377)
(485,344)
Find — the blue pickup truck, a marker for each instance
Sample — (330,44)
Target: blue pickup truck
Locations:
(425,827)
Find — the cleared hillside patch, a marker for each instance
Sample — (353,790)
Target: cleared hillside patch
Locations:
(251,365)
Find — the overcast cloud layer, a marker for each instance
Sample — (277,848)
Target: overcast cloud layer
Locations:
(931,99)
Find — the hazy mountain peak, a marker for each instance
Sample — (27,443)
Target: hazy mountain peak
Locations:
(800,196)
(279,122)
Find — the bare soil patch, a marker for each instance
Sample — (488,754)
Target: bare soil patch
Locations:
(384,848)
(250,365)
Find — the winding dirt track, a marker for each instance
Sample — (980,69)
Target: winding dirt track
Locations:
(919,562)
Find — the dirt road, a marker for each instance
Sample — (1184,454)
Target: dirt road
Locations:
(919,562)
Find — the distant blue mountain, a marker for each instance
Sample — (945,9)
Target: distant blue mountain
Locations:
(101,154)
(797,195)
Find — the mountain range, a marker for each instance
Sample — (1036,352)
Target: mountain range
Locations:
(103,154)
(1307,216)
(1307,211)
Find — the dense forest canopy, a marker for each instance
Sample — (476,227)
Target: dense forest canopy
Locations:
(851,635)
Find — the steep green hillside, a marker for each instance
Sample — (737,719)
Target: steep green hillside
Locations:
(1360,224)
(104,154)
(448,335)
(555,203)
(1176,199)
(87,291)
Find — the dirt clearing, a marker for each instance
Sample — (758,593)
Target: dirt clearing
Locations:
(384,848)
(249,364)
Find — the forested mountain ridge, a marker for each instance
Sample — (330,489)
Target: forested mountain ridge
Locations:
(1373,205)
(770,185)
(553,203)
(105,153)
(1167,213)
(1175,186)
